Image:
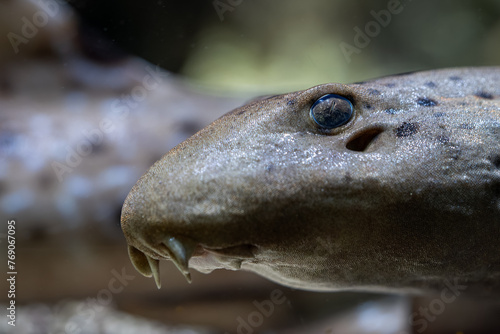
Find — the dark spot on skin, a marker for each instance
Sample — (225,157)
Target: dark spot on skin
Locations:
(455,78)
(484,95)
(390,85)
(466,126)
(368,106)
(291,102)
(269,168)
(443,139)
(439,114)
(406,129)
(426,102)
(373,91)
(430,84)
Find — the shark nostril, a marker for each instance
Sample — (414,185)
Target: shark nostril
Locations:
(361,141)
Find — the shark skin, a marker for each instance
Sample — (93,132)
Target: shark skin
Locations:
(402,195)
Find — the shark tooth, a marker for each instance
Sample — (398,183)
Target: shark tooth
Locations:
(140,261)
(155,269)
(180,251)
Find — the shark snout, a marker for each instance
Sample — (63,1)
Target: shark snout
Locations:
(194,240)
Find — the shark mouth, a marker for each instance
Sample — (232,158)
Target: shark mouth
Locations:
(183,252)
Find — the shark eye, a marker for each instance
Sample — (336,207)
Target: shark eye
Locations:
(331,111)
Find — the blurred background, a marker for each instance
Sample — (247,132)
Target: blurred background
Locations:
(283,45)
(93,92)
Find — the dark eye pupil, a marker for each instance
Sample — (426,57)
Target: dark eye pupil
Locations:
(331,111)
